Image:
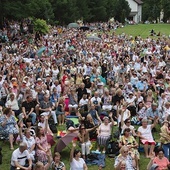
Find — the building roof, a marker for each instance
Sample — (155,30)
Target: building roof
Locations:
(139,2)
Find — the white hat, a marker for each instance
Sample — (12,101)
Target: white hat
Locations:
(24,81)
(13,78)
(39,79)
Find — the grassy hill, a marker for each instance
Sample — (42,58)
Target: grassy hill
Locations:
(66,153)
(144,29)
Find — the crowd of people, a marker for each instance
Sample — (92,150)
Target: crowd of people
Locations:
(114,81)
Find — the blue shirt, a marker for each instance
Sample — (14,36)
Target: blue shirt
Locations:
(141,85)
(151,113)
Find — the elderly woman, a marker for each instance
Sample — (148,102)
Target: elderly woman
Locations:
(128,140)
(126,158)
(146,137)
(13,104)
(29,140)
(104,132)
(9,126)
(106,100)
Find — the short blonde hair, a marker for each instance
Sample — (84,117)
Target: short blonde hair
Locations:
(123,148)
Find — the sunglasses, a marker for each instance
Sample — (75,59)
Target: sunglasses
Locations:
(125,151)
(128,122)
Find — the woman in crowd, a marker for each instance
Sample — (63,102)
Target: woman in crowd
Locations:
(126,158)
(160,160)
(141,110)
(29,140)
(106,100)
(13,104)
(89,123)
(41,142)
(104,132)
(73,103)
(9,126)
(146,137)
(42,123)
(165,138)
(149,98)
(94,114)
(85,140)
(76,162)
(60,111)
(128,140)
(127,124)
(56,163)
(40,166)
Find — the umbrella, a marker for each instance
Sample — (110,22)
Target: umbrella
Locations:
(73,25)
(94,38)
(43,49)
(84,28)
(64,141)
(71,48)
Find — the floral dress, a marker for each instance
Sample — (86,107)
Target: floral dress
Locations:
(41,155)
(10,127)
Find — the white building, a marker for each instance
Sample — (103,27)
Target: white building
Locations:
(136,10)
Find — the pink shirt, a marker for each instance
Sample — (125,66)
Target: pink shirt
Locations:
(105,130)
(162,163)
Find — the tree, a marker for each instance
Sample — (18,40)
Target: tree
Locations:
(121,10)
(98,10)
(41,26)
(151,9)
(83,9)
(165,5)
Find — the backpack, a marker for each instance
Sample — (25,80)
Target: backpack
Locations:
(69,124)
(113,147)
(52,125)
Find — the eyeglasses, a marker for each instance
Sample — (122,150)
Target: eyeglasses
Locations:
(125,151)
(128,122)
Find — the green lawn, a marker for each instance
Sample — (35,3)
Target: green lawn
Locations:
(144,29)
(65,156)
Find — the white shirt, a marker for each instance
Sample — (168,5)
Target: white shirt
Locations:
(29,141)
(146,132)
(83,102)
(98,99)
(19,157)
(77,165)
(12,104)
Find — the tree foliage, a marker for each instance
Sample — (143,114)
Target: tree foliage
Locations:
(152,9)
(66,11)
(41,26)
